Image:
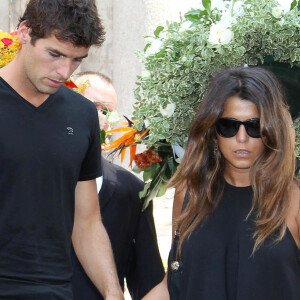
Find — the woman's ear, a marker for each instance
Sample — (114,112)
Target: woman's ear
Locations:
(23,33)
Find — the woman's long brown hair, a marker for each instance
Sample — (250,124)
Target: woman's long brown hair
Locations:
(272,173)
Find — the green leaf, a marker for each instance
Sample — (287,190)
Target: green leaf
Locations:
(102,136)
(162,190)
(143,193)
(158,30)
(137,170)
(149,172)
(207,5)
(146,47)
(195,15)
(154,185)
(294,3)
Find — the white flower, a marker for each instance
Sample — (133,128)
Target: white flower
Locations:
(238,8)
(154,47)
(277,11)
(113,117)
(220,34)
(185,26)
(227,19)
(146,123)
(168,111)
(146,74)
(285,4)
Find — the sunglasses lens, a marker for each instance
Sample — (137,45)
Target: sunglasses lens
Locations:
(227,127)
(253,128)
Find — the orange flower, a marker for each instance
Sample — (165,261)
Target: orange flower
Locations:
(129,139)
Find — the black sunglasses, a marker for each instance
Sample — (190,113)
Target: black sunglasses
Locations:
(229,127)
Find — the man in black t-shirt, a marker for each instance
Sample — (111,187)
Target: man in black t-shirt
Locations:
(50,157)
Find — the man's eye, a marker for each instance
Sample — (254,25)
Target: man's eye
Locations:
(54,54)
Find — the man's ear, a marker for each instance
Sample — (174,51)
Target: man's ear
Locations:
(23,33)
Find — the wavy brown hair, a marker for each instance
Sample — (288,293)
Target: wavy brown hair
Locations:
(272,172)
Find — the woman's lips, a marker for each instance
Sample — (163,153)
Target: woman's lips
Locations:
(242,153)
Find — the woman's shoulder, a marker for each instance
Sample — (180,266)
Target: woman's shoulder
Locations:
(293,217)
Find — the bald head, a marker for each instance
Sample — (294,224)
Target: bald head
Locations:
(100,90)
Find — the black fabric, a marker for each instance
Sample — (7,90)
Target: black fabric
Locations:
(174,271)
(217,263)
(44,151)
(132,234)
(175,262)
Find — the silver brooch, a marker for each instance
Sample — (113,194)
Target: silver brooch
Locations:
(175,265)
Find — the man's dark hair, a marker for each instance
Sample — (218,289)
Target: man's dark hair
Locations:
(75,21)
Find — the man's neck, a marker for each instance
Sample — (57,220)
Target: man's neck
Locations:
(15,77)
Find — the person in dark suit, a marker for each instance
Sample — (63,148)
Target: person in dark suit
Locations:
(131,231)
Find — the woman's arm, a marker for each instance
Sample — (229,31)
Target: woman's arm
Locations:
(293,217)
(160,291)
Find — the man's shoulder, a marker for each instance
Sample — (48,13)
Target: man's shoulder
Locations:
(73,96)
(75,102)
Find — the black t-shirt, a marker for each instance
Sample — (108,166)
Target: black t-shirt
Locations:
(217,260)
(44,151)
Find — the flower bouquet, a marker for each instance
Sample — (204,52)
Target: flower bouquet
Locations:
(9,46)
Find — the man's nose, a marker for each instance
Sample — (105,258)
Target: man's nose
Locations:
(65,69)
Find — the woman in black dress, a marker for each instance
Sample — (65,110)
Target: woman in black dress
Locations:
(239,231)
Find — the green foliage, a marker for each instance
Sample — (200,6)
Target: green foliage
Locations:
(182,56)
(157,175)
(158,30)
(102,135)
(295,3)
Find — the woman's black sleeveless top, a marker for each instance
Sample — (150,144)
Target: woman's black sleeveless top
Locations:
(217,260)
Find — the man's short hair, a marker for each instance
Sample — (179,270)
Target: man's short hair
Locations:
(75,21)
(96,74)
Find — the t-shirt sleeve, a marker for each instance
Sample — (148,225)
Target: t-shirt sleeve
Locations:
(91,165)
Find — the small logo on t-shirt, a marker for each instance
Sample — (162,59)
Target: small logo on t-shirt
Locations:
(70,130)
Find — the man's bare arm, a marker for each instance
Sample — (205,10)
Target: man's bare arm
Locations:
(91,242)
